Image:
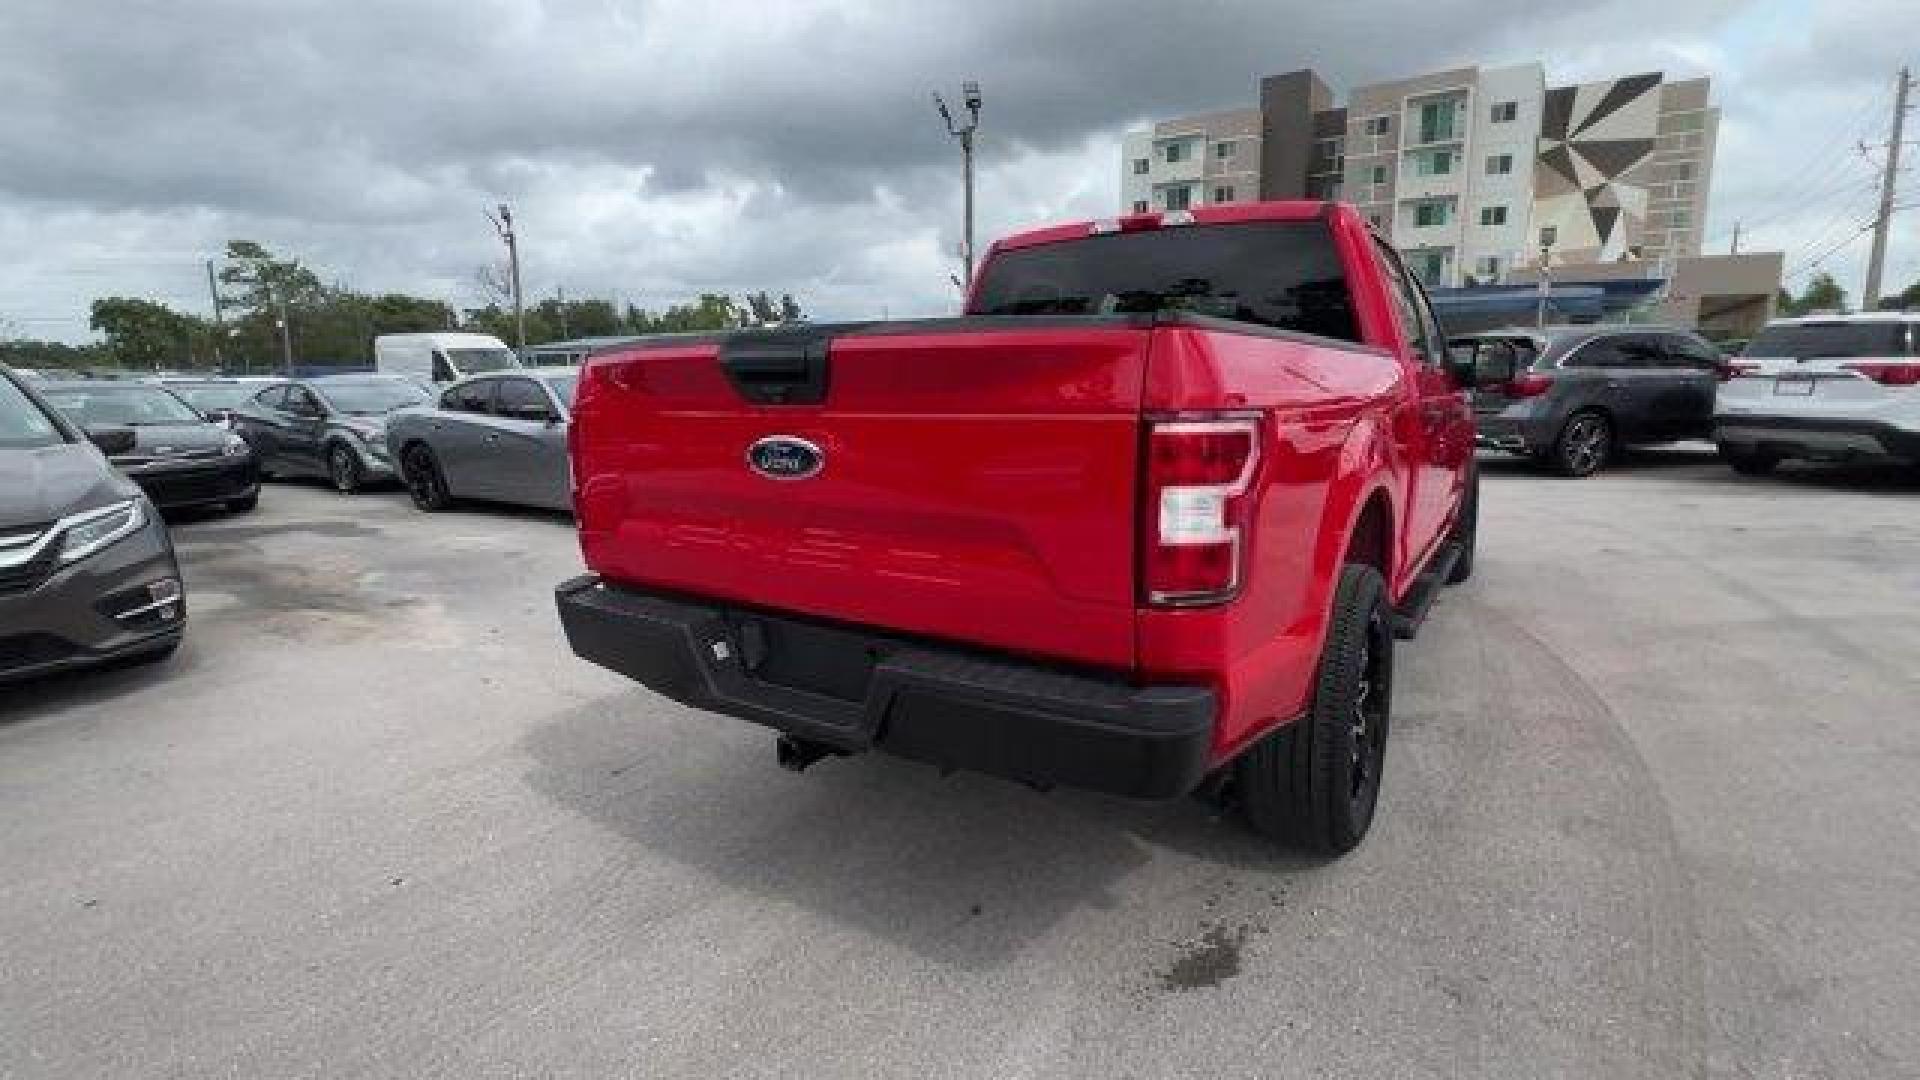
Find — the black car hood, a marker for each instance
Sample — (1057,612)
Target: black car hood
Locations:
(44,485)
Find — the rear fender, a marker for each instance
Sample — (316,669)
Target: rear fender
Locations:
(1361,472)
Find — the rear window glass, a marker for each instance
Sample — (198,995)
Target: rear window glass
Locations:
(1809,340)
(1283,274)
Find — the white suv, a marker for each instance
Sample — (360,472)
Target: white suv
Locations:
(1827,388)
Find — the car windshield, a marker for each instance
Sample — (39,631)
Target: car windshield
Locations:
(470,361)
(371,398)
(1804,341)
(563,388)
(1283,274)
(22,424)
(208,397)
(108,404)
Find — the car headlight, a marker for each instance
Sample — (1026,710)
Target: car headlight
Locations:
(87,533)
(236,446)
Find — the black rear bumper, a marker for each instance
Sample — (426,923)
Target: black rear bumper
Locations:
(854,690)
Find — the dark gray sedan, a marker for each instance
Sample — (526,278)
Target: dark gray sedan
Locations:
(500,437)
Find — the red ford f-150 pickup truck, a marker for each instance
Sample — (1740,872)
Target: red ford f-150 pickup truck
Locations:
(1145,520)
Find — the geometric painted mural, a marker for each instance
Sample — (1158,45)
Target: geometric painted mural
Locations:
(1595,165)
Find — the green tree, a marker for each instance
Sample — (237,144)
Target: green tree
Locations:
(148,336)
(259,287)
(766,311)
(1909,298)
(1821,294)
(25,353)
(1783,304)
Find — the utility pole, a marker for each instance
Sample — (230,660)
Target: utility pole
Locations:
(560,305)
(970,94)
(1734,249)
(503,224)
(219,325)
(1876,262)
(286,331)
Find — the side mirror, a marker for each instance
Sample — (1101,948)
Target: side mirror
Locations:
(112,441)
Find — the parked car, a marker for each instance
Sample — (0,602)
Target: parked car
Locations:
(1146,520)
(333,427)
(1580,393)
(214,397)
(500,438)
(1824,389)
(178,457)
(439,358)
(87,572)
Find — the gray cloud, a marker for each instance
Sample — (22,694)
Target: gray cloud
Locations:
(655,149)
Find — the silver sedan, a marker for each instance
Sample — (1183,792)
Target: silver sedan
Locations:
(499,437)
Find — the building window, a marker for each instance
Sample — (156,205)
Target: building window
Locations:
(1506,112)
(1177,198)
(1139,206)
(1487,269)
(1682,170)
(1429,215)
(1499,164)
(1176,153)
(1375,220)
(1140,166)
(1223,194)
(1493,215)
(1436,120)
(1379,174)
(1433,163)
(1224,148)
(1379,125)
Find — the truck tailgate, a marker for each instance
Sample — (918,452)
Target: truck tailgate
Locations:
(976,479)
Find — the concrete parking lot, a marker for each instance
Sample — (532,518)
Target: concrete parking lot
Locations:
(1650,812)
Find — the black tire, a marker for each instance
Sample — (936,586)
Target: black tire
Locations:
(1466,531)
(245,503)
(1584,444)
(426,484)
(1313,784)
(1749,462)
(344,470)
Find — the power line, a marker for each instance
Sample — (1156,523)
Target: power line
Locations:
(1832,156)
(1816,261)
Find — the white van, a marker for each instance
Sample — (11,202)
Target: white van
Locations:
(436,358)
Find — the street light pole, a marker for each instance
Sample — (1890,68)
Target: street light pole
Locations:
(970,93)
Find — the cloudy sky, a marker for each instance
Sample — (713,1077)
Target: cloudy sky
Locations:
(654,149)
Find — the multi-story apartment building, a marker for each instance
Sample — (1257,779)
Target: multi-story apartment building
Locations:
(1471,171)
(1199,160)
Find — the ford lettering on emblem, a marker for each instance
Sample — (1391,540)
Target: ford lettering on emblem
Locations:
(784,457)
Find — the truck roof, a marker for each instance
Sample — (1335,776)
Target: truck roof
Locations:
(1280,210)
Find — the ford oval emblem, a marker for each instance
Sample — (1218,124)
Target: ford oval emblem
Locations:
(784,457)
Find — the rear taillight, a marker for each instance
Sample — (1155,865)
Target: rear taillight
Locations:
(1887,372)
(1528,384)
(1198,471)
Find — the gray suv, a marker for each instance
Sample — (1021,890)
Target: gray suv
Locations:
(1580,393)
(87,573)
